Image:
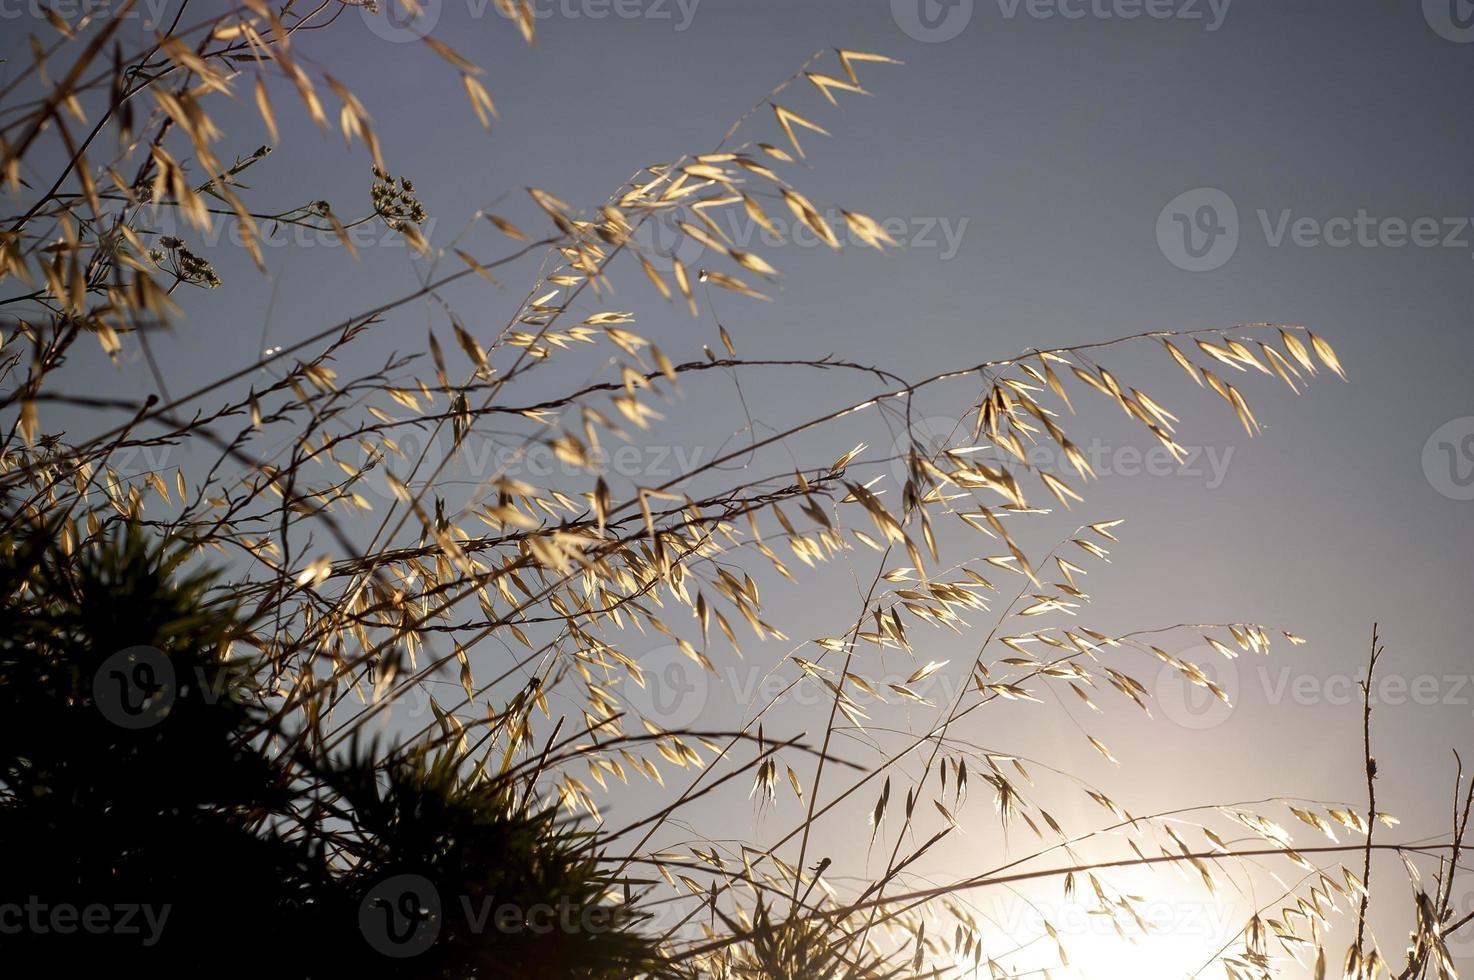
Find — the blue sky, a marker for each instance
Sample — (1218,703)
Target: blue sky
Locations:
(1047,167)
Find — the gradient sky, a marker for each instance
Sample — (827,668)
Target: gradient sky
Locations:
(1047,146)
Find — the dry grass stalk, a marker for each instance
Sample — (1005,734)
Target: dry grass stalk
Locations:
(349,618)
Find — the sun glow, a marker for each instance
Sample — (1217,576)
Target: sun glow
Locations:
(1164,951)
(1163,930)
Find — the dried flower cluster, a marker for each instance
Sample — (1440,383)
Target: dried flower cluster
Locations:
(396,203)
(186,266)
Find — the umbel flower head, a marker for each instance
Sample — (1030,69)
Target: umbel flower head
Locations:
(186,265)
(395,202)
